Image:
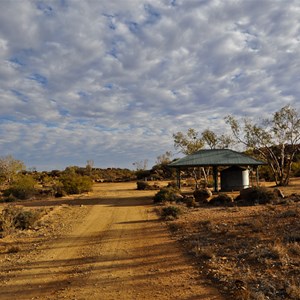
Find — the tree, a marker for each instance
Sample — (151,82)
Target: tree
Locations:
(89,166)
(161,170)
(276,140)
(216,142)
(141,165)
(188,143)
(210,138)
(141,169)
(164,159)
(10,167)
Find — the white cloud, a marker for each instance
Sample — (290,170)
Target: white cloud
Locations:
(112,80)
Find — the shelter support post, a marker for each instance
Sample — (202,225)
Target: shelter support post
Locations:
(178,177)
(215,174)
(257,176)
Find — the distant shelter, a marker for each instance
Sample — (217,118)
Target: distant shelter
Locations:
(233,178)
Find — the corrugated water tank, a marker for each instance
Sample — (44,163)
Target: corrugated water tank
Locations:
(234,179)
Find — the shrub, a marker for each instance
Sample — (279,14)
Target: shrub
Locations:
(294,248)
(60,192)
(10,198)
(203,253)
(206,184)
(14,249)
(266,173)
(296,169)
(171,211)
(292,237)
(144,185)
(13,217)
(291,213)
(26,219)
(190,202)
(142,174)
(297,173)
(166,194)
(257,195)
(293,290)
(76,184)
(202,195)
(222,199)
(172,184)
(7,218)
(22,188)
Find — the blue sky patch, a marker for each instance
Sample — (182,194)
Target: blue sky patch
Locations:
(133,27)
(39,78)
(17,60)
(153,14)
(20,95)
(46,9)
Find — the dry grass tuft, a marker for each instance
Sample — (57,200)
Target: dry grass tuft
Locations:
(13,249)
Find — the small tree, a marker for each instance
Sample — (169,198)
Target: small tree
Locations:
(164,159)
(10,167)
(89,166)
(141,169)
(161,170)
(76,184)
(276,140)
(23,187)
(141,165)
(190,143)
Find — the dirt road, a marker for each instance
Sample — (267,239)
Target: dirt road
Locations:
(114,247)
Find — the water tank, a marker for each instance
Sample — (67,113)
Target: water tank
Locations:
(234,179)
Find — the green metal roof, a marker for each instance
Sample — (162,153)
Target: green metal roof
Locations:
(216,157)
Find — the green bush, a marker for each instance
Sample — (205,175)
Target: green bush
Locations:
(22,188)
(171,211)
(76,184)
(166,194)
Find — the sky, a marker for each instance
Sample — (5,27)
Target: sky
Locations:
(111,81)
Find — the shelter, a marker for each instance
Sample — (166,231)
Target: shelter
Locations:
(215,158)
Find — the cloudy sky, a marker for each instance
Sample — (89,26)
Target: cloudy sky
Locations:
(111,81)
